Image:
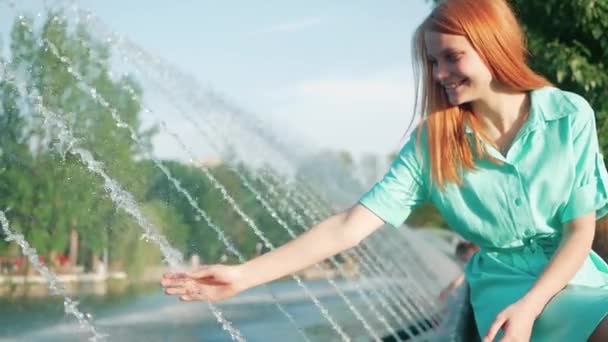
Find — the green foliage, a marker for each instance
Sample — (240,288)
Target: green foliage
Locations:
(568,45)
(426,215)
(50,194)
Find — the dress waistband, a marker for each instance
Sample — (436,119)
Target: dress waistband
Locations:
(545,241)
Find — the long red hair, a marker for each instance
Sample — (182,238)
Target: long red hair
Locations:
(494,32)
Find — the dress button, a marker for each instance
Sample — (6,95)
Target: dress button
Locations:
(518,202)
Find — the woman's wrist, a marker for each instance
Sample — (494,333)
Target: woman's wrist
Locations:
(245,276)
(535,304)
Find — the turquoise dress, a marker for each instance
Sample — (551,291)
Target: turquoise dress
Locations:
(515,211)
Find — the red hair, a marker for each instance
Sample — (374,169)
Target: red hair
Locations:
(494,32)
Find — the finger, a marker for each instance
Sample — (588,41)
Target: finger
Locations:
(494,328)
(211,281)
(174,282)
(178,291)
(174,275)
(202,272)
(193,297)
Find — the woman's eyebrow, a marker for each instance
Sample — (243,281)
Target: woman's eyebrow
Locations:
(446,51)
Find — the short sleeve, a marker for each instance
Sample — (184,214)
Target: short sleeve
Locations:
(401,189)
(589,192)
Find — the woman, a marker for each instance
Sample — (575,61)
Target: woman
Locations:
(512,164)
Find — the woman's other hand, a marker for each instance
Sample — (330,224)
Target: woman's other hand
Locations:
(516,321)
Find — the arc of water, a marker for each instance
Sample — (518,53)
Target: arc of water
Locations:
(123,43)
(423,291)
(371,254)
(120,197)
(92,91)
(428,274)
(270,210)
(282,223)
(400,291)
(373,267)
(70,306)
(301,222)
(199,211)
(273,213)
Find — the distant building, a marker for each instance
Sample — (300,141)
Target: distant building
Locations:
(213,161)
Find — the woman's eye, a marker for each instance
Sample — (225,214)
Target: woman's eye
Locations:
(452,58)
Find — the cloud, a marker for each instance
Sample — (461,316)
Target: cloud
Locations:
(394,85)
(362,113)
(292,26)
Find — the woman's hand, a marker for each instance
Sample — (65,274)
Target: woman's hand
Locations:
(215,282)
(451,287)
(516,321)
(445,293)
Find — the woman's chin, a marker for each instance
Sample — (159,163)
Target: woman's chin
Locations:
(456,100)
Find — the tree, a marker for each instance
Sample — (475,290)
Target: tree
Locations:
(53,196)
(568,45)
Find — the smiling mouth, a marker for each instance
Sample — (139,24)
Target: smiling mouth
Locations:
(454,85)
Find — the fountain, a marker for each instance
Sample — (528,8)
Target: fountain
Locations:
(84,89)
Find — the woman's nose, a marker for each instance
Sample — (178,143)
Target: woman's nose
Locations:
(440,72)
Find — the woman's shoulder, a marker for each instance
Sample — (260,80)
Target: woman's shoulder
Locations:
(416,139)
(555,103)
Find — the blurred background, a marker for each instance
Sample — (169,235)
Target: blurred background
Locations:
(136,135)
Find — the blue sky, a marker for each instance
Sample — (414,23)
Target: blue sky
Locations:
(338,73)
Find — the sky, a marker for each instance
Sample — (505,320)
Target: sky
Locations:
(336,73)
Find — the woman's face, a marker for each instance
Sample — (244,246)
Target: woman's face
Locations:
(457,67)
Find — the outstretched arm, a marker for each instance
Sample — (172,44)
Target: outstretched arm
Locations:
(331,236)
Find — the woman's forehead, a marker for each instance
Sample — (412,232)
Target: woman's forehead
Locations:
(438,43)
